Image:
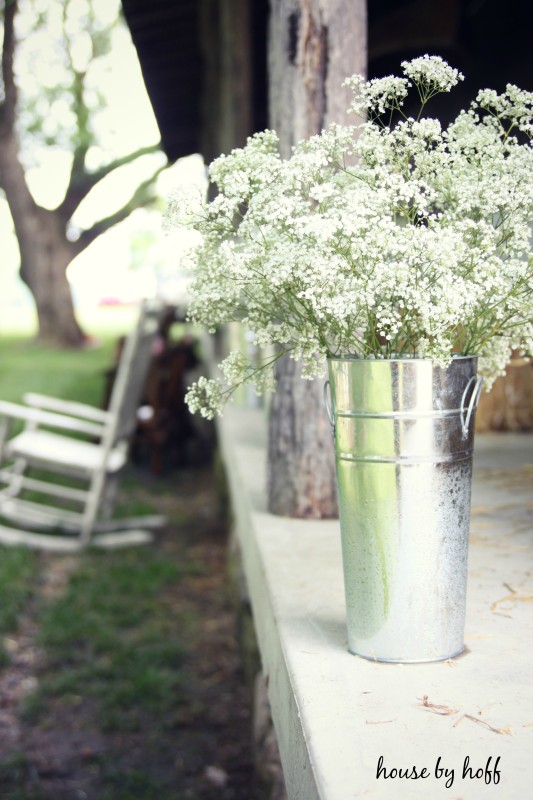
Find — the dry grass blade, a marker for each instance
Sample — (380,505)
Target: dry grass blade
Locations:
(435,708)
(527,597)
(447,711)
(504,731)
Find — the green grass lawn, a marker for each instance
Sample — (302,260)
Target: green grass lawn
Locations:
(18,570)
(73,375)
(70,374)
(100,643)
(112,639)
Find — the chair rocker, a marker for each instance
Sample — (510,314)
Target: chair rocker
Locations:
(62,438)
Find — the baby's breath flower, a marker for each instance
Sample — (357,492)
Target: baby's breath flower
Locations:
(205,396)
(432,73)
(384,93)
(397,237)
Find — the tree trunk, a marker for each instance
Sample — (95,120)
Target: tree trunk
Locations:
(301,456)
(45,249)
(43,268)
(314,45)
(45,252)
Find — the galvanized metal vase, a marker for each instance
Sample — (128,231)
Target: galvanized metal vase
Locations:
(404,431)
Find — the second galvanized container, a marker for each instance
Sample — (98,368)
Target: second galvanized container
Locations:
(404,444)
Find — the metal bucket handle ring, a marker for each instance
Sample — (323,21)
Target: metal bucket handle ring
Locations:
(330,406)
(472,405)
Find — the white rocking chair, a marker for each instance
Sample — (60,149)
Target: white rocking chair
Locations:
(94,460)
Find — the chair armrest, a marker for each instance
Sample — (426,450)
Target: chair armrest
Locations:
(68,407)
(49,419)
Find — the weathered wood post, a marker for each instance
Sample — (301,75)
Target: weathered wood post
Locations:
(313,46)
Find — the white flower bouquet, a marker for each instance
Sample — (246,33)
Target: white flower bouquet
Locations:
(391,238)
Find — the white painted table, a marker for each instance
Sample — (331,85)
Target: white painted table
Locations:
(336,714)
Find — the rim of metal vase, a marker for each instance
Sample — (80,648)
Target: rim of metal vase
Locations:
(455,357)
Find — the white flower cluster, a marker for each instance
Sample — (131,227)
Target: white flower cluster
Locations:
(386,239)
(431,74)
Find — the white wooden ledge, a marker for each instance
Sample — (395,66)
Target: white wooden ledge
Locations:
(336,714)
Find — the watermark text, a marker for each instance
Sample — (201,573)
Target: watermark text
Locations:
(488,772)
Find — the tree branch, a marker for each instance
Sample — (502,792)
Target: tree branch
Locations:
(8,104)
(12,177)
(81,182)
(142,197)
(82,121)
